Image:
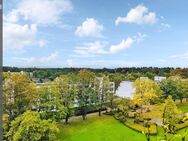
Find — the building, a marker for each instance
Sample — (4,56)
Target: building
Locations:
(159,78)
(144,78)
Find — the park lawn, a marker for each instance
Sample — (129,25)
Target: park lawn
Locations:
(96,128)
(183,106)
(104,128)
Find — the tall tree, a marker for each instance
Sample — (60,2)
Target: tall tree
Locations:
(49,102)
(67,89)
(170,115)
(105,92)
(19,94)
(86,90)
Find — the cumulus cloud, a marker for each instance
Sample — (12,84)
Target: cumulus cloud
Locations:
(16,36)
(34,61)
(138,15)
(122,45)
(100,48)
(91,49)
(40,12)
(37,12)
(90,27)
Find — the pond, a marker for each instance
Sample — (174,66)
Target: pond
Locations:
(125,89)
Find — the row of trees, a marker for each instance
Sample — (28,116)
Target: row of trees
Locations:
(150,92)
(130,73)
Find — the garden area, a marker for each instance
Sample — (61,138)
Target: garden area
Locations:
(104,128)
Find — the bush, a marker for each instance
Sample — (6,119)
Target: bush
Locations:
(140,128)
(183,125)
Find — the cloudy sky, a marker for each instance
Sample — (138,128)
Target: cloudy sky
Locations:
(95,33)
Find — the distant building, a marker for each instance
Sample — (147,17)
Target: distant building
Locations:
(159,78)
(36,80)
(144,78)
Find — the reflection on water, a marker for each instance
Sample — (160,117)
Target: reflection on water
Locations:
(125,89)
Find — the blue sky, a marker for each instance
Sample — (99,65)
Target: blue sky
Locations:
(95,33)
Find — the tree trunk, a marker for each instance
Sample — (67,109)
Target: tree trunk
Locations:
(66,119)
(181,100)
(100,111)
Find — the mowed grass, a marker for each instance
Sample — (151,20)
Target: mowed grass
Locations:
(183,106)
(95,128)
(106,128)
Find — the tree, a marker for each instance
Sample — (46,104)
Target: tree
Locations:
(19,94)
(170,115)
(30,127)
(67,89)
(105,92)
(86,90)
(50,104)
(182,88)
(123,108)
(147,92)
(169,87)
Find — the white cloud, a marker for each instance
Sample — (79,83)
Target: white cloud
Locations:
(91,49)
(100,48)
(90,27)
(138,15)
(139,37)
(122,45)
(34,61)
(16,36)
(180,56)
(40,12)
(163,27)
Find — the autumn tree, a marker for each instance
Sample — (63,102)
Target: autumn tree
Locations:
(146,92)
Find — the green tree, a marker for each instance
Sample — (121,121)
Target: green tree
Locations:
(105,92)
(19,94)
(170,115)
(123,108)
(30,127)
(169,87)
(85,91)
(49,102)
(67,89)
(182,88)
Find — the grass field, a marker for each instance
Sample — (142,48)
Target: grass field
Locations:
(104,128)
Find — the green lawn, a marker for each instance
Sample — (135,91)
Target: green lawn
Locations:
(183,106)
(95,128)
